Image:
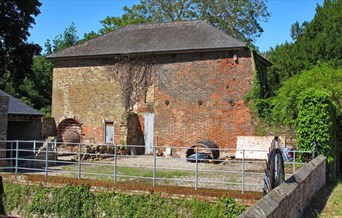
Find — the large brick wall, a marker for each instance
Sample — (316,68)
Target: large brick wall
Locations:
(205,93)
(89,95)
(291,197)
(3,127)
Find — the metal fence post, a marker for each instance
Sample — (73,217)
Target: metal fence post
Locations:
(34,146)
(46,159)
(154,165)
(115,160)
(55,149)
(294,162)
(79,161)
(11,155)
(243,171)
(196,172)
(16,156)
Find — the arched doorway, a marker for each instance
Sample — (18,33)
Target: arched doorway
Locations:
(69,131)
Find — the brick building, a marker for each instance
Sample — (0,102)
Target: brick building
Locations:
(164,84)
(23,121)
(18,121)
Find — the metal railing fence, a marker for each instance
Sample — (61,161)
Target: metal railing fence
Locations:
(112,162)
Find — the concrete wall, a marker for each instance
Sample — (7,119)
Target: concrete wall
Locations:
(205,92)
(291,197)
(3,126)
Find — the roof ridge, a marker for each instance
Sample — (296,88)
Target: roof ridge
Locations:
(153,37)
(170,23)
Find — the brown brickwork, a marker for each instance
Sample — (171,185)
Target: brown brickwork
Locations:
(206,99)
(204,92)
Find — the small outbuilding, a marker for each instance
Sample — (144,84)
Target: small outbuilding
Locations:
(18,121)
(23,121)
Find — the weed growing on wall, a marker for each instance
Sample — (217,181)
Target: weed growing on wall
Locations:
(79,201)
(135,75)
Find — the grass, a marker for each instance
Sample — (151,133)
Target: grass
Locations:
(333,207)
(130,171)
(80,201)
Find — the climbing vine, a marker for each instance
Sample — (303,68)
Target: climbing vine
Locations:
(135,75)
(316,122)
(256,96)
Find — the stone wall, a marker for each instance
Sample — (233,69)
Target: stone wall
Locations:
(291,197)
(89,95)
(48,127)
(204,91)
(3,127)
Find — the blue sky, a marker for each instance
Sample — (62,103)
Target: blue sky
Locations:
(56,15)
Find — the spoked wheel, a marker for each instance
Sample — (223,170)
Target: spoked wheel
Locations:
(275,172)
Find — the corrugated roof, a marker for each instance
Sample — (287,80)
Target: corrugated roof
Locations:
(153,38)
(15,106)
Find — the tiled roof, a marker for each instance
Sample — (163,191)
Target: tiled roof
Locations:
(153,38)
(15,106)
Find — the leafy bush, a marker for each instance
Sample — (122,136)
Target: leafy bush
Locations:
(79,201)
(323,77)
(316,122)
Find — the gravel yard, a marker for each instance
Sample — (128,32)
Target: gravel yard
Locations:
(170,171)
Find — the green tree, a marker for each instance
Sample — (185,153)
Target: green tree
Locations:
(322,77)
(135,15)
(61,41)
(240,19)
(39,84)
(16,17)
(298,30)
(88,36)
(316,41)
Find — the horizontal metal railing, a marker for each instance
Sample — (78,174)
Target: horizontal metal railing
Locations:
(51,159)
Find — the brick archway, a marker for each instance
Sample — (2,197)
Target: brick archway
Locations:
(69,131)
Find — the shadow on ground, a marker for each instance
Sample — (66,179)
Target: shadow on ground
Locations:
(2,209)
(319,201)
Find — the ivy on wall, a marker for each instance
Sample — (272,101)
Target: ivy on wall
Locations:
(135,75)
(315,122)
(256,96)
